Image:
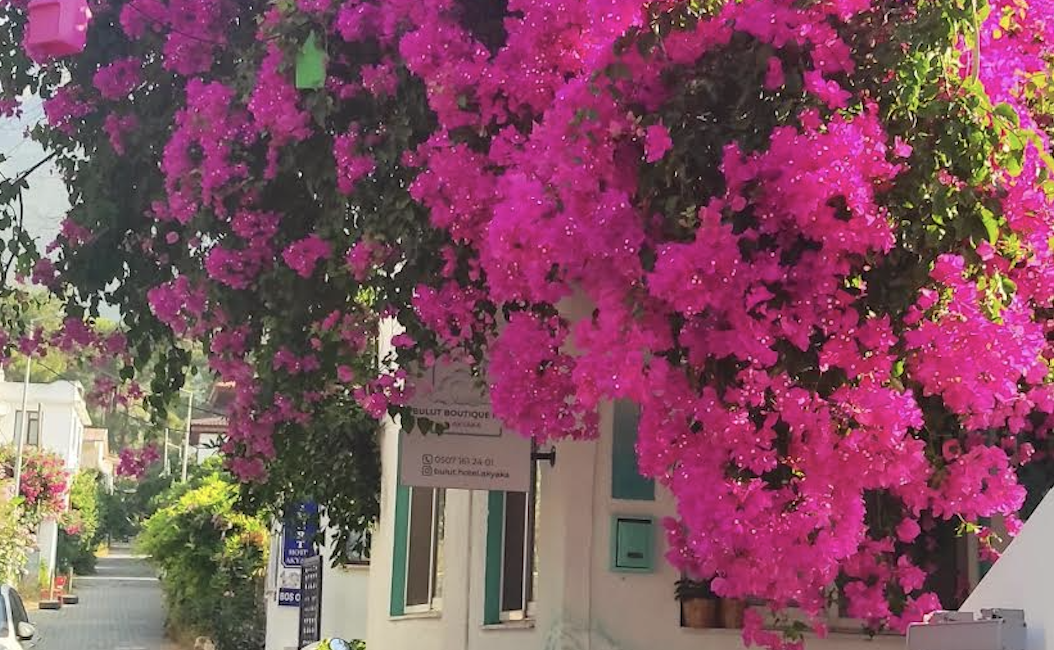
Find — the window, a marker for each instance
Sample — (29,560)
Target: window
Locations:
(18,610)
(626,481)
(357,548)
(33,432)
(952,564)
(512,555)
(423,543)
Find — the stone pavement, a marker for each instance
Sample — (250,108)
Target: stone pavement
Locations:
(120,609)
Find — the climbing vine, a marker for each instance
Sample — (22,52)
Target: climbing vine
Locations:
(810,240)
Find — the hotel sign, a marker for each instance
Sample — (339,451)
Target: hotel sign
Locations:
(472,451)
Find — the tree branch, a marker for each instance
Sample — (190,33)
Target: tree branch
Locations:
(20,226)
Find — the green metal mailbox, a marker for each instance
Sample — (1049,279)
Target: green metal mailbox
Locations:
(632,544)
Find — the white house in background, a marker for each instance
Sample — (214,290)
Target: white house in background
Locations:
(57,418)
(95,454)
(207,431)
(576,561)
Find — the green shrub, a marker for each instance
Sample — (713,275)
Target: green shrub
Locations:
(133,501)
(212,560)
(16,538)
(82,530)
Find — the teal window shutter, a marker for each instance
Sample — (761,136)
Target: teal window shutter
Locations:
(399,550)
(626,481)
(492,576)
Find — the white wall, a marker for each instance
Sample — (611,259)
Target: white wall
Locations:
(207,447)
(282,622)
(47,543)
(1023,576)
(63,417)
(581,603)
(344,601)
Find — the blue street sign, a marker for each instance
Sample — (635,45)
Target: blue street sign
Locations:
(298,535)
(288,597)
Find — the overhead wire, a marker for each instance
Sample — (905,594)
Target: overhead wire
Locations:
(58,375)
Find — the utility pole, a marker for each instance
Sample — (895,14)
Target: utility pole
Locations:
(164,470)
(23,429)
(186,437)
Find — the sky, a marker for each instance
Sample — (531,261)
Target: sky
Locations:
(46,203)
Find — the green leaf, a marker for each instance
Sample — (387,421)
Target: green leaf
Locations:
(991,225)
(1014,162)
(1007,112)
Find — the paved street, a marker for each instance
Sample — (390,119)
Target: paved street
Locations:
(120,609)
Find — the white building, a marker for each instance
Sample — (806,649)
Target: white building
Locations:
(344,597)
(95,454)
(57,418)
(577,563)
(207,432)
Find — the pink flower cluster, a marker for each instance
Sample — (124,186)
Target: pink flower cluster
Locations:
(351,166)
(304,255)
(275,108)
(179,305)
(134,463)
(193,30)
(773,393)
(117,80)
(197,161)
(66,109)
(44,483)
(976,364)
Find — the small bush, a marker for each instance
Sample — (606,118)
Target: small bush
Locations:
(82,530)
(212,560)
(16,538)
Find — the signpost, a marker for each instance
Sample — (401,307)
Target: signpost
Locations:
(298,545)
(473,451)
(310,600)
(298,535)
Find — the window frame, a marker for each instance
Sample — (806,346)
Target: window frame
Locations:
(17,607)
(966,551)
(34,418)
(401,577)
(494,609)
(966,547)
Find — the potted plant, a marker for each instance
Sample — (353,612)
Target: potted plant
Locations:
(698,604)
(732,612)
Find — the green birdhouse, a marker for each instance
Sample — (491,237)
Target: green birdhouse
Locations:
(311,65)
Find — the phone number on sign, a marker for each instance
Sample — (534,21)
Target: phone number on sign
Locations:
(472,461)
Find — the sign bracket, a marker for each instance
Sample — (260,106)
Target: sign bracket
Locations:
(545,455)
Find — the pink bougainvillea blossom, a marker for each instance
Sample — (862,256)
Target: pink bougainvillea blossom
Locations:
(709,218)
(304,255)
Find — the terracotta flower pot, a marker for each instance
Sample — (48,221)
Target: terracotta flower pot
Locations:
(732,613)
(699,613)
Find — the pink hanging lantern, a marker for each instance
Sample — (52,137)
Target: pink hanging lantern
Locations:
(57,27)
